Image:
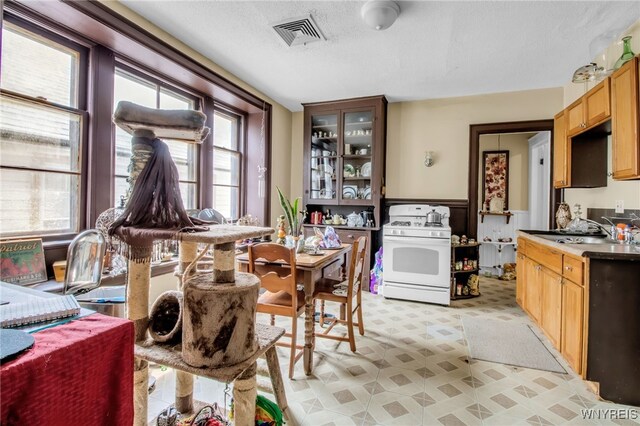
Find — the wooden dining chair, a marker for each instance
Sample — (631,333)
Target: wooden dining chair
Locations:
(351,300)
(281,296)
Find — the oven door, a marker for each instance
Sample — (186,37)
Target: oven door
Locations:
(415,260)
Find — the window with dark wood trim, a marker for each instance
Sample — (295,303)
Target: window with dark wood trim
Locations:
(42,133)
(108,44)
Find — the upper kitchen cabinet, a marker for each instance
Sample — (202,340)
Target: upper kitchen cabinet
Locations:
(591,109)
(344,148)
(561,152)
(625,109)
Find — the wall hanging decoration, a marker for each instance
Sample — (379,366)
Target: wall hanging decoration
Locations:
(495,182)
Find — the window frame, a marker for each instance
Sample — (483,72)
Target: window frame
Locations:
(106,34)
(156,79)
(240,131)
(52,33)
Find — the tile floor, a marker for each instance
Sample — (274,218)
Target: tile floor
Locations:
(412,367)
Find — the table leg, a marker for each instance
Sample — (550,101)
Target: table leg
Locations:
(309,337)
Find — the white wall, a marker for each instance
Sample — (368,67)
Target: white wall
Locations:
(628,191)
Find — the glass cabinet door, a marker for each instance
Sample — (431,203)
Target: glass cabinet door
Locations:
(357,156)
(324,157)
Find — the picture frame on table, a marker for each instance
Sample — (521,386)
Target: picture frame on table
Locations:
(495,178)
(22,262)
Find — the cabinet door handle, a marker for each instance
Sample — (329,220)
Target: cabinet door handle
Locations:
(350,236)
(568,268)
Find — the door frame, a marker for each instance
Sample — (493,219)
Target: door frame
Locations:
(475,131)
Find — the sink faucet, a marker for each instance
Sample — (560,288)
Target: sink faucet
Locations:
(600,226)
(608,220)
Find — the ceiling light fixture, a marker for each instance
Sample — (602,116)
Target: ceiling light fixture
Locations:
(380,14)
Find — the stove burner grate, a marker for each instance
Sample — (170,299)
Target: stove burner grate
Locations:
(400,223)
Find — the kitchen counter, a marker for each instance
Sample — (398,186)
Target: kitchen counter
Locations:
(610,251)
(585,298)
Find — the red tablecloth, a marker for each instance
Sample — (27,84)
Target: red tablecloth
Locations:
(78,373)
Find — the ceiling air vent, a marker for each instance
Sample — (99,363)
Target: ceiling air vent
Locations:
(298,31)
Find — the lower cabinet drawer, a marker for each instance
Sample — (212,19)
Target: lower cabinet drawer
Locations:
(573,269)
(545,256)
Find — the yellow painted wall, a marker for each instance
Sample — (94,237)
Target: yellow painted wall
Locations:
(442,126)
(628,191)
(281,123)
(518,146)
(297,146)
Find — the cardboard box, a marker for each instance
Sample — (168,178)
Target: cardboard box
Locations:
(59,269)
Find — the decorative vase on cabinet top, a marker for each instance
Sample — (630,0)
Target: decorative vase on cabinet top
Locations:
(627,53)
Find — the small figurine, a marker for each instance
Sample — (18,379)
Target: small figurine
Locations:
(455,240)
(281,232)
(563,215)
(464,240)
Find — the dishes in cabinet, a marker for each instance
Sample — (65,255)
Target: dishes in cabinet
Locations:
(367,193)
(350,192)
(349,171)
(365,170)
(328,170)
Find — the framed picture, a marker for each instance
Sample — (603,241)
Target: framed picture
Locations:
(495,179)
(22,262)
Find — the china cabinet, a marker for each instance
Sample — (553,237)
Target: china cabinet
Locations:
(343,169)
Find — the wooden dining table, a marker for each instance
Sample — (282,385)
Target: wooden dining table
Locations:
(309,268)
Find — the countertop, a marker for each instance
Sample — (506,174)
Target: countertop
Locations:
(600,251)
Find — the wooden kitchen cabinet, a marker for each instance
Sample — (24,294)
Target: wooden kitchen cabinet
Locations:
(561,152)
(576,121)
(572,324)
(520,279)
(625,132)
(532,293)
(591,109)
(597,103)
(550,288)
(551,309)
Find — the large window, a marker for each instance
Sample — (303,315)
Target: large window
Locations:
(227,158)
(147,92)
(62,160)
(41,134)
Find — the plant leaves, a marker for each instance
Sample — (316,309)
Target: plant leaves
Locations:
(286,206)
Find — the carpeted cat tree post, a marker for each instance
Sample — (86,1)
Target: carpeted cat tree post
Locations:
(154,203)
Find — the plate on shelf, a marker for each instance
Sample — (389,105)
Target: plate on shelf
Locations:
(349,170)
(365,170)
(349,192)
(367,193)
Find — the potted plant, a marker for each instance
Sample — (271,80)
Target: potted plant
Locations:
(291,213)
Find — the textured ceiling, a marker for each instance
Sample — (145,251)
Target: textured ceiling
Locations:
(433,50)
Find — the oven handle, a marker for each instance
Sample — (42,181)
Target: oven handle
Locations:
(432,241)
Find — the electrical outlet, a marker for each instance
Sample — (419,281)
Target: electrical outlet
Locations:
(619,206)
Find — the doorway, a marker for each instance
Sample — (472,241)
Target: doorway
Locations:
(539,180)
(475,131)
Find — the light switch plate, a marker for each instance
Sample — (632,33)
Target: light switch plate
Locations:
(619,206)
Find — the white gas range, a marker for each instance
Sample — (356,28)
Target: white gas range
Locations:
(417,254)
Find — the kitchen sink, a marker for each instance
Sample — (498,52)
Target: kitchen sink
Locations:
(575,239)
